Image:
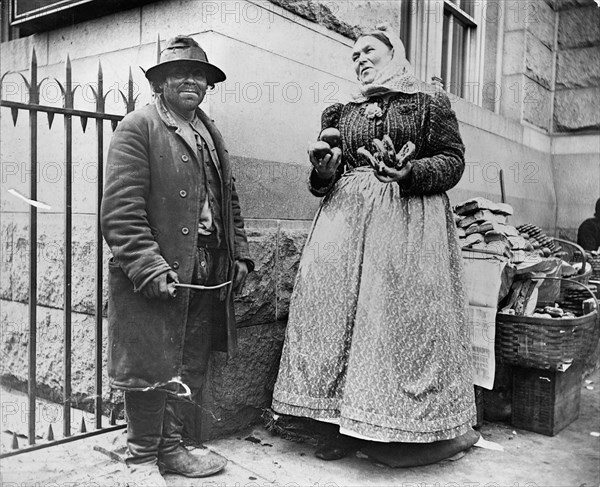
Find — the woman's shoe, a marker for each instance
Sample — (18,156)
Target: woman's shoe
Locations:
(333,452)
(339,447)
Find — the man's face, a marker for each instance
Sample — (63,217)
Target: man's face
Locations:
(184,88)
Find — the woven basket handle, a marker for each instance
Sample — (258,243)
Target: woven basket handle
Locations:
(571,280)
(580,249)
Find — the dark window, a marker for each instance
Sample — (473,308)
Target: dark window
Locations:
(31,16)
(457,34)
(7,33)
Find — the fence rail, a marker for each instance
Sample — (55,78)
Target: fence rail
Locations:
(68,111)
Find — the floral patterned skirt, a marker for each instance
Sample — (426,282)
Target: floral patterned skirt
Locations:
(377,340)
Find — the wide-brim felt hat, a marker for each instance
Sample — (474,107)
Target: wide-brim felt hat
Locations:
(185,50)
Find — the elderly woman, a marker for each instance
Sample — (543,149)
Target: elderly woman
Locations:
(377,341)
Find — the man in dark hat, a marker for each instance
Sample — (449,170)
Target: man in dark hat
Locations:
(588,235)
(171,216)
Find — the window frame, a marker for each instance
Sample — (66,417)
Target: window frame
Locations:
(428,29)
(408,17)
(8,32)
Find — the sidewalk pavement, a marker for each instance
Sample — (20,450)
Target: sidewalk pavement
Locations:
(257,458)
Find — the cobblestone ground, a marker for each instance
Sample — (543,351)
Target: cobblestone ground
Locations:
(257,458)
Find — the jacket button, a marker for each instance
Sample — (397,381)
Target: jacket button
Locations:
(185,230)
(185,158)
(175,265)
(183,193)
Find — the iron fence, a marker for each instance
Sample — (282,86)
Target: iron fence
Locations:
(68,111)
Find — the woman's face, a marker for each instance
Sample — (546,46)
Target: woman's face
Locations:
(369,56)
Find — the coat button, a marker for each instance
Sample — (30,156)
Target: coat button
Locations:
(185,230)
(185,158)
(175,265)
(183,193)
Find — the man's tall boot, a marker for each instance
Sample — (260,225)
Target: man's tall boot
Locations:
(173,456)
(145,413)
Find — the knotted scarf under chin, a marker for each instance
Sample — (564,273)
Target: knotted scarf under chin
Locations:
(395,76)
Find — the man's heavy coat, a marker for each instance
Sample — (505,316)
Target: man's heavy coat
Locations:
(150,211)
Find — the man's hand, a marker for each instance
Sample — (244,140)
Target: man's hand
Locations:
(326,166)
(239,276)
(158,287)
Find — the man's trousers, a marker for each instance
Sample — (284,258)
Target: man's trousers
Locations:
(158,419)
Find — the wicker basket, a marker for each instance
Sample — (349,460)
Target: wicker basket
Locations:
(584,274)
(546,343)
(595,263)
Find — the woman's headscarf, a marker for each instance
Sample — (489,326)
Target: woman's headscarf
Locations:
(396,76)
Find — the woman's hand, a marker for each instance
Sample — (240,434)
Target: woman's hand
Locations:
(391,175)
(327,165)
(389,166)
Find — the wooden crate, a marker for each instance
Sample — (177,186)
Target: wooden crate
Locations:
(479,406)
(545,401)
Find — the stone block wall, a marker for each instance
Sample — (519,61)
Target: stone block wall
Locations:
(577,112)
(238,389)
(550,64)
(577,102)
(527,62)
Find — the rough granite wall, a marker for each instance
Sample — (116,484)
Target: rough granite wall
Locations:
(577,99)
(238,390)
(346,17)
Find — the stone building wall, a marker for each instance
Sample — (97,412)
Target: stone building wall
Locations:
(577,103)
(268,109)
(576,118)
(527,62)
